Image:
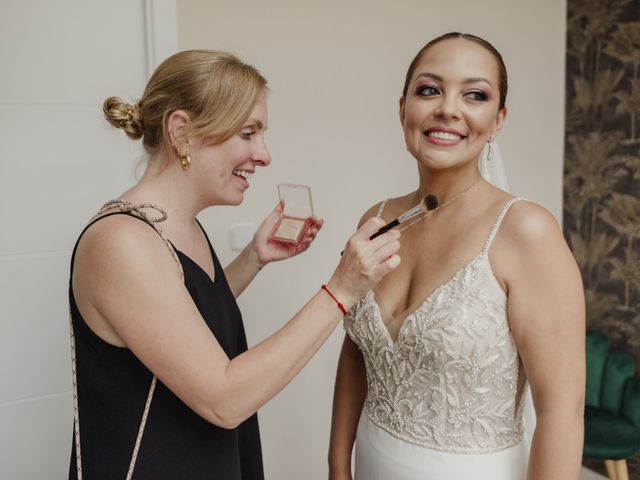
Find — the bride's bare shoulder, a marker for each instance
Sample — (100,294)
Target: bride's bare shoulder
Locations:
(530,231)
(529,221)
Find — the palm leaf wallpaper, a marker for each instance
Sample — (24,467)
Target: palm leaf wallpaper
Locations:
(602,166)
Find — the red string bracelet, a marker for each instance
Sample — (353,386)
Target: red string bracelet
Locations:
(340,306)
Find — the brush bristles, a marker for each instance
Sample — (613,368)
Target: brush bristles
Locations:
(431,202)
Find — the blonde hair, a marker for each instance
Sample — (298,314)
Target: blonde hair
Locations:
(215,88)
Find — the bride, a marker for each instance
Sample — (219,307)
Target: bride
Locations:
(434,368)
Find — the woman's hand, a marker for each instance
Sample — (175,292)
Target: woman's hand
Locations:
(266,251)
(364,262)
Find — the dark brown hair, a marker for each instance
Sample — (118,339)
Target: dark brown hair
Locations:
(502,70)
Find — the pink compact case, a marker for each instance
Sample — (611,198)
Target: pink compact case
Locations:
(296,218)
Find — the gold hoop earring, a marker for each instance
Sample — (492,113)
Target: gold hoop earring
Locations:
(185,161)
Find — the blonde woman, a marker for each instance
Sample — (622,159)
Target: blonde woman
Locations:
(164,385)
(432,376)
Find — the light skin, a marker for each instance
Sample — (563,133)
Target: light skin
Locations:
(129,292)
(450,112)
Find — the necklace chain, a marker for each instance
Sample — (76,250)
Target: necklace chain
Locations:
(452,199)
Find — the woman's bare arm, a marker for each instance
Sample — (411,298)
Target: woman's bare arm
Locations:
(547,318)
(348,399)
(129,291)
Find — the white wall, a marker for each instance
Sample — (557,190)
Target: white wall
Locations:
(336,70)
(60,161)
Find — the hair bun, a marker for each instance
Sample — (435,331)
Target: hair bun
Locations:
(123,115)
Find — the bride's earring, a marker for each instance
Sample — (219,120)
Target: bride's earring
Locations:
(490,151)
(485,158)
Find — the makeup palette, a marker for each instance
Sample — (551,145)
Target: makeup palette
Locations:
(296,216)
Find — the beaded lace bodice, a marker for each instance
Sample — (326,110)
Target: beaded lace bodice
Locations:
(450,381)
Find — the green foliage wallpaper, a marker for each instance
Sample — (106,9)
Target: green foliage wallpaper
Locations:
(602,166)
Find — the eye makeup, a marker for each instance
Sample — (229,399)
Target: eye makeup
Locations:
(426,90)
(477,96)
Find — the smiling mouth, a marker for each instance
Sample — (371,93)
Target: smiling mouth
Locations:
(440,135)
(243,174)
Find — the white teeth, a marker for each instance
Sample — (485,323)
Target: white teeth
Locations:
(243,174)
(444,135)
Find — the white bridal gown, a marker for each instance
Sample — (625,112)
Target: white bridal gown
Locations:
(445,400)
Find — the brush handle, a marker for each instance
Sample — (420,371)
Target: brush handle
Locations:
(385,229)
(429,203)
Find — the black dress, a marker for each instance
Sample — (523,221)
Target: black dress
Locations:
(177,443)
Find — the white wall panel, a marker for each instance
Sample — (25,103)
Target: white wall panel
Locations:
(63,163)
(34,345)
(71,51)
(60,161)
(35,438)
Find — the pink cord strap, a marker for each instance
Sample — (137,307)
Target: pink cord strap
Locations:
(340,306)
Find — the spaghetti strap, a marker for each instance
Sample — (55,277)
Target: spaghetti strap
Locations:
(381,207)
(91,222)
(139,210)
(498,222)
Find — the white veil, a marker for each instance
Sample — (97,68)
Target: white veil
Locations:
(492,170)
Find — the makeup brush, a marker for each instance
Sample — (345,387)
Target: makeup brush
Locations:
(429,203)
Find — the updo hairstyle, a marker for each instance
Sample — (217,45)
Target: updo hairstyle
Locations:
(216,90)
